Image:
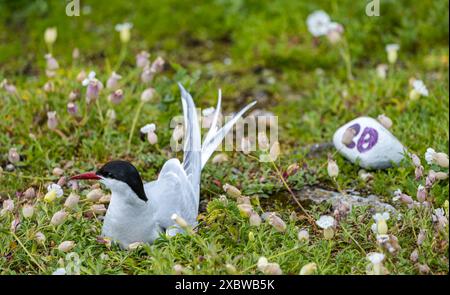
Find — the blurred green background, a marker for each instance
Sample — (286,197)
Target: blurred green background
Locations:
(253,33)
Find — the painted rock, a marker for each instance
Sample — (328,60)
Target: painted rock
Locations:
(372,146)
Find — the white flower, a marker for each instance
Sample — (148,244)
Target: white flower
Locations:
(381,216)
(326,221)
(148,128)
(420,87)
(124,26)
(318,23)
(392,50)
(53,191)
(375,257)
(429,155)
(397,195)
(124,30)
(380,225)
(90,78)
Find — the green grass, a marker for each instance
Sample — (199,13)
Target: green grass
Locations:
(266,42)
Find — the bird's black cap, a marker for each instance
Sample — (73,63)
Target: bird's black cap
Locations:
(124,171)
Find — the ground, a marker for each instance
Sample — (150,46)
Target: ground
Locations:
(251,50)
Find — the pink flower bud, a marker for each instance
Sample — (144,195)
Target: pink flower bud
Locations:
(59,218)
(28,211)
(52,121)
(13,155)
(152,138)
(74,95)
(254,219)
(142,59)
(421,193)
(72,108)
(157,65)
(93,90)
(49,87)
(418,172)
(414,257)
(113,81)
(72,200)
(30,193)
(116,97)
(66,246)
(277,222)
(147,75)
(148,94)
(8,87)
(416,160)
(421,237)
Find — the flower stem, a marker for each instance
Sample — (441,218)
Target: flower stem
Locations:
(26,251)
(100,114)
(280,175)
(133,126)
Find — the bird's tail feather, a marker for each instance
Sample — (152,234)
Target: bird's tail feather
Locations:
(214,136)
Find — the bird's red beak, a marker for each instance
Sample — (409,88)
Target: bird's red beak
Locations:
(87,175)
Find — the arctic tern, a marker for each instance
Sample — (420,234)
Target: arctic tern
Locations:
(140,212)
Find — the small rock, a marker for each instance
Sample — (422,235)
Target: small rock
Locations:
(373,145)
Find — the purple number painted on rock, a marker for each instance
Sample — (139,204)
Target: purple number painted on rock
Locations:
(368,139)
(357,128)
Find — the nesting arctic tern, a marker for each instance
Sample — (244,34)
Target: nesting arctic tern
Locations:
(140,212)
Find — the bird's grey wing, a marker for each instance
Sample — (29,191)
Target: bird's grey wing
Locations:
(172,193)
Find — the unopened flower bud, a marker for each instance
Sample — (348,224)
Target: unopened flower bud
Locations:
(157,65)
(232,191)
(49,87)
(142,59)
(116,97)
(58,218)
(8,205)
(66,246)
(277,223)
(152,138)
(98,209)
(385,121)
(13,155)
(245,209)
(52,121)
(303,235)
(148,94)
(113,81)
(421,237)
(72,200)
(441,175)
(441,159)
(94,195)
(308,269)
(255,219)
(421,193)
(50,35)
(30,193)
(57,171)
(220,158)
(39,237)
(178,269)
(28,211)
(179,220)
(72,108)
(414,257)
(332,168)
(274,151)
